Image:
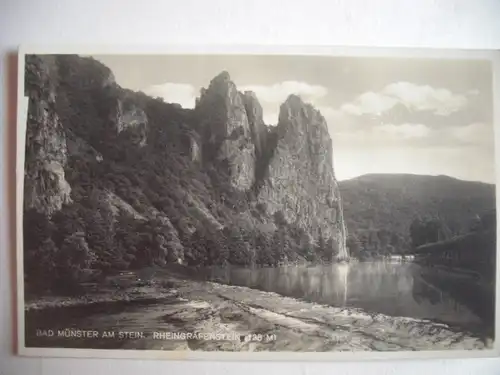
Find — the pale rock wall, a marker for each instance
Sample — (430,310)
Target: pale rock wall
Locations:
(45,185)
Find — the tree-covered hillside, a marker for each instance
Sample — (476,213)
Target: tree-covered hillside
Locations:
(380,208)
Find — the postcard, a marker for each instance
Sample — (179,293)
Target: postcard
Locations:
(257,203)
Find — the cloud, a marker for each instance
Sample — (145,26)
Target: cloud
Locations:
(369,103)
(473,92)
(278,92)
(414,136)
(475,134)
(426,98)
(404,131)
(439,101)
(270,96)
(270,116)
(461,163)
(181,93)
(384,135)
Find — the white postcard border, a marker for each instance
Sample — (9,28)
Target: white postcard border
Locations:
(348,51)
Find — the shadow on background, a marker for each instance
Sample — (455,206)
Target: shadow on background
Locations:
(10,177)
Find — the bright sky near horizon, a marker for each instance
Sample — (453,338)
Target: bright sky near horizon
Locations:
(385,115)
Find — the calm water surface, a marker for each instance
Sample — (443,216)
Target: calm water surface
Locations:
(392,288)
(397,289)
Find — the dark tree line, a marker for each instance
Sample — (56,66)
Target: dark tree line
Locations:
(80,242)
(372,243)
(428,230)
(432,230)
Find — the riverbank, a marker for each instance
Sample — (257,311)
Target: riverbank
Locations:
(116,288)
(134,294)
(189,309)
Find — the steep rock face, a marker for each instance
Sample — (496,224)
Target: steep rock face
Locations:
(258,129)
(131,122)
(46,188)
(299,180)
(118,206)
(194,144)
(224,120)
(77,146)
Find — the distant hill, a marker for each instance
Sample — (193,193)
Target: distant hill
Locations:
(379,208)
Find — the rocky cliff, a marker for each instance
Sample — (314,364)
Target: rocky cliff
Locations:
(299,180)
(223,118)
(46,188)
(290,168)
(205,186)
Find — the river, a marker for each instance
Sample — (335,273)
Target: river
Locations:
(379,305)
(389,287)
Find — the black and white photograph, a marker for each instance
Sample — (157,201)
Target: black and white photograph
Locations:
(222,203)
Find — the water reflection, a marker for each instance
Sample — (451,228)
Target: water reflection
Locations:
(392,288)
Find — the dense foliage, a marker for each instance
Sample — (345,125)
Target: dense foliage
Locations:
(474,250)
(386,213)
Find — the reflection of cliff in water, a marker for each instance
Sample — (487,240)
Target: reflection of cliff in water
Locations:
(391,288)
(461,292)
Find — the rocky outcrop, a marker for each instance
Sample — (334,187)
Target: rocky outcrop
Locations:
(45,185)
(194,145)
(131,122)
(224,121)
(299,180)
(78,147)
(202,214)
(119,207)
(289,167)
(258,129)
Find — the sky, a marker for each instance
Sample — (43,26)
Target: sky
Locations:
(384,115)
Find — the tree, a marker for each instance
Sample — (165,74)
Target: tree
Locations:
(281,245)
(240,253)
(36,229)
(428,230)
(332,249)
(353,245)
(197,254)
(217,248)
(263,248)
(418,232)
(100,229)
(279,219)
(304,247)
(39,250)
(489,220)
(40,266)
(74,261)
(127,243)
(486,221)
(68,220)
(320,248)
(476,224)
